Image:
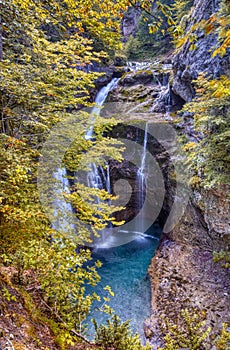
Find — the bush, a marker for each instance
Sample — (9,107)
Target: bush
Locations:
(117,335)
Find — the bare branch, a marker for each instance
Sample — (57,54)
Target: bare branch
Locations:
(142,9)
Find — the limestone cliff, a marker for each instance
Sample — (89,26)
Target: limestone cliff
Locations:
(129,23)
(182,272)
(187,63)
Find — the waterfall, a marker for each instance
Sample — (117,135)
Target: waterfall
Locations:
(94,178)
(103,93)
(63,212)
(141,173)
(134,65)
(100,99)
(105,173)
(97,177)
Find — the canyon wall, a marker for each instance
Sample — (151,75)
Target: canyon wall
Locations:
(183,273)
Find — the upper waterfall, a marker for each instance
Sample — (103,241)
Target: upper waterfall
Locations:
(99,101)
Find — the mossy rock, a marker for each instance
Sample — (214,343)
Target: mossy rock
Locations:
(119,71)
(137,77)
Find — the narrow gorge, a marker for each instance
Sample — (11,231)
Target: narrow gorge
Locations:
(114,175)
(182,272)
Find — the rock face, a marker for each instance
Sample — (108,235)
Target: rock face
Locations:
(133,78)
(147,89)
(187,64)
(129,23)
(183,274)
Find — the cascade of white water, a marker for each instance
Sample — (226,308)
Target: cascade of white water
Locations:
(141,172)
(94,178)
(63,213)
(99,100)
(99,177)
(144,149)
(134,65)
(108,183)
(105,174)
(96,175)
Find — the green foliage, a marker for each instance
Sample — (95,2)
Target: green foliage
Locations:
(191,334)
(209,158)
(220,23)
(117,335)
(44,80)
(222,256)
(62,274)
(180,9)
(152,42)
(223,340)
(7,295)
(45,50)
(178,30)
(157,25)
(132,48)
(21,216)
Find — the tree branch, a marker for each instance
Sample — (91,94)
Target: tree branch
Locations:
(141,8)
(63,322)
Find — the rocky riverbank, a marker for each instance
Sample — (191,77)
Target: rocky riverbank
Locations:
(184,276)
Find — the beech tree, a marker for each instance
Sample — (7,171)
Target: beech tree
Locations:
(45,50)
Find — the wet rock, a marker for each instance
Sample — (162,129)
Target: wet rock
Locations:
(105,78)
(119,71)
(148,331)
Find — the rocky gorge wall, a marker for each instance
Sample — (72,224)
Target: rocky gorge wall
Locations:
(187,63)
(183,274)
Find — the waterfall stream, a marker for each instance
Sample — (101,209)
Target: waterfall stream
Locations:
(99,100)
(96,176)
(141,175)
(125,264)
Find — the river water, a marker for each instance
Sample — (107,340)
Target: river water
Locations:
(124,269)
